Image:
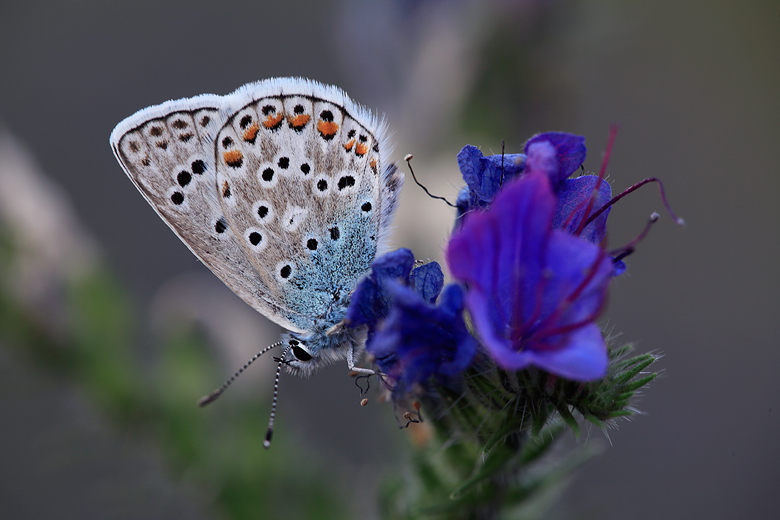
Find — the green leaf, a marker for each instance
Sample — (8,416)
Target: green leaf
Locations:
(494,462)
(540,419)
(513,426)
(568,418)
(539,444)
(595,420)
(630,374)
(619,352)
(639,383)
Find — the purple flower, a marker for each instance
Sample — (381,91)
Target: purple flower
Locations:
(418,340)
(372,299)
(410,338)
(533,291)
(556,154)
(574,200)
(484,176)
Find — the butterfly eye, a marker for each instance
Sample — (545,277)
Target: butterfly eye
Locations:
(301,354)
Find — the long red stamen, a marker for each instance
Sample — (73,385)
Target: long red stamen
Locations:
(627,249)
(633,188)
(521,328)
(613,130)
(578,325)
(542,325)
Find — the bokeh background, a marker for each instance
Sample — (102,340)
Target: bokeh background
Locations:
(111,329)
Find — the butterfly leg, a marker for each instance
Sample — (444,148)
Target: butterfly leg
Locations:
(351,363)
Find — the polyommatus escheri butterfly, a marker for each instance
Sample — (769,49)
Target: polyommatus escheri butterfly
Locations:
(280,189)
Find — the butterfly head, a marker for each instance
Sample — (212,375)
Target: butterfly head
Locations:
(299,352)
(306,354)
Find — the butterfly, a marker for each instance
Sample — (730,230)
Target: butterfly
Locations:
(279,188)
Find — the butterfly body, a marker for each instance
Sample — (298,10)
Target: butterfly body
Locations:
(280,189)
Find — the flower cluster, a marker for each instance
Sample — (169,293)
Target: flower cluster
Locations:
(417,339)
(533,291)
(504,356)
(529,271)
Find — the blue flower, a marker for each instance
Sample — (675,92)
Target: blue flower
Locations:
(410,339)
(555,154)
(419,341)
(574,201)
(484,176)
(372,299)
(533,291)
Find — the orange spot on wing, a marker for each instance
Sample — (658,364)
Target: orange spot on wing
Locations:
(372,163)
(361,149)
(299,121)
(349,145)
(251,132)
(233,158)
(272,121)
(327,128)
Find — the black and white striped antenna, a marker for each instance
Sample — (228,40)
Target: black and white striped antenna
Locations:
(270,432)
(218,392)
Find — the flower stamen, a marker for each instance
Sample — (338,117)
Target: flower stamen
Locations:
(543,327)
(679,221)
(613,130)
(622,252)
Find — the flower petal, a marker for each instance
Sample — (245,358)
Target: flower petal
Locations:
(484,176)
(490,328)
(418,340)
(532,290)
(500,251)
(556,154)
(370,299)
(577,276)
(573,200)
(583,356)
(428,280)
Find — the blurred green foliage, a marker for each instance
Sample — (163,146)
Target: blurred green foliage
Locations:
(492,451)
(495,450)
(219,450)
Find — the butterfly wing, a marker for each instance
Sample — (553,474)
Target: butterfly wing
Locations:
(301,184)
(168,152)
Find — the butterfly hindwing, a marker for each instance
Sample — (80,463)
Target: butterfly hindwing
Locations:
(168,153)
(300,181)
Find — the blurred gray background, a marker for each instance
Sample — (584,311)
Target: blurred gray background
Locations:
(696,87)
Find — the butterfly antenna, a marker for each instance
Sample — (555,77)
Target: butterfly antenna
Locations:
(408,160)
(216,393)
(270,432)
